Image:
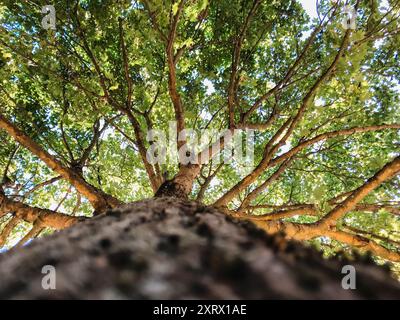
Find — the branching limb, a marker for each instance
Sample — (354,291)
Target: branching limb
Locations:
(207,181)
(264,164)
(172,80)
(387,172)
(5,233)
(233,81)
(97,198)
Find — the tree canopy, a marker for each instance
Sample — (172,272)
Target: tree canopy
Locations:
(77,103)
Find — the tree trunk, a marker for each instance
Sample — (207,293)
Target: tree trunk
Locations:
(168,248)
(181,185)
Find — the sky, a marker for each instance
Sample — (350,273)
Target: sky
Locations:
(310,7)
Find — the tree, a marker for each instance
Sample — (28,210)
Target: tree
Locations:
(84,107)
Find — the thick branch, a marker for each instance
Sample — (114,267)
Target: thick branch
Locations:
(264,164)
(154,179)
(386,173)
(11,224)
(306,232)
(43,217)
(97,198)
(328,135)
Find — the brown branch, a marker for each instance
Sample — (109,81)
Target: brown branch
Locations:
(97,198)
(63,199)
(65,142)
(154,180)
(328,135)
(387,172)
(96,136)
(207,181)
(89,52)
(126,64)
(172,81)
(280,213)
(41,185)
(265,163)
(326,226)
(369,235)
(35,230)
(5,233)
(77,205)
(306,232)
(275,176)
(288,211)
(363,244)
(10,159)
(291,70)
(309,97)
(232,87)
(154,21)
(377,207)
(158,174)
(48,218)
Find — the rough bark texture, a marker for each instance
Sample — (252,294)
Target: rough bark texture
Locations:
(169,248)
(181,185)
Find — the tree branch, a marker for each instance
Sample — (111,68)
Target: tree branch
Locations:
(387,172)
(97,198)
(172,81)
(232,87)
(44,217)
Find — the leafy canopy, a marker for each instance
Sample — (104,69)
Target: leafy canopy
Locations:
(61,88)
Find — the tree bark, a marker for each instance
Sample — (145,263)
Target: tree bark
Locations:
(169,248)
(181,185)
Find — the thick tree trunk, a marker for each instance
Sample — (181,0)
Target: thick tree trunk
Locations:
(170,248)
(181,185)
